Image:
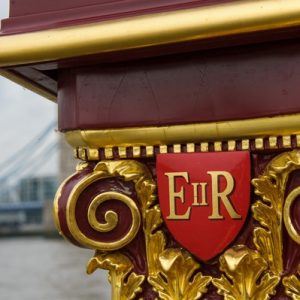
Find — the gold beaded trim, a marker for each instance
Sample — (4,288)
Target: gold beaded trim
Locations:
(258,144)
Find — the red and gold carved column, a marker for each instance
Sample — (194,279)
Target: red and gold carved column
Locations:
(186,117)
(111,206)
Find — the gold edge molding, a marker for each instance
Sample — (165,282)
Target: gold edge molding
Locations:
(207,22)
(28,84)
(268,143)
(285,125)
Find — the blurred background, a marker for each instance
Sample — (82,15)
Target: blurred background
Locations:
(35,263)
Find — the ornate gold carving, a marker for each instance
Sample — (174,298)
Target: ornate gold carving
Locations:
(244,280)
(292,286)
(286,215)
(254,274)
(111,217)
(172,272)
(124,286)
(269,212)
(175,278)
(129,171)
(125,283)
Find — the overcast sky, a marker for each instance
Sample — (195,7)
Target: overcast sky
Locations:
(23,115)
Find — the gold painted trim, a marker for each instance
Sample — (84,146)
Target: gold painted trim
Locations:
(234,18)
(258,144)
(27,84)
(192,133)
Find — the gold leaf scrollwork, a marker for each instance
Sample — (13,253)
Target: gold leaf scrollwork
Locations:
(244,280)
(176,279)
(254,274)
(271,187)
(173,272)
(125,285)
(268,238)
(292,285)
(128,171)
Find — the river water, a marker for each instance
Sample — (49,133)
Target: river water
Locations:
(48,269)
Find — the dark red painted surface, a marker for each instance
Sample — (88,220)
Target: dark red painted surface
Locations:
(28,15)
(192,222)
(237,83)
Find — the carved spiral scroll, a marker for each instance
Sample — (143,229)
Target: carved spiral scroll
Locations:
(111,217)
(79,217)
(287,215)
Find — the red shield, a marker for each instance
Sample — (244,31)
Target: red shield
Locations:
(204,198)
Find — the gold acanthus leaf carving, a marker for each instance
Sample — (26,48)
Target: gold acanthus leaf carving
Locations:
(244,278)
(269,212)
(125,286)
(155,240)
(172,272)
(176,279)
(292,285)
(125,283)
(268,238)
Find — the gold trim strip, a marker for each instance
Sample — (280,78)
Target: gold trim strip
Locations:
(259,144)
(27,84)
(234,18)
(273,142)
(182,134)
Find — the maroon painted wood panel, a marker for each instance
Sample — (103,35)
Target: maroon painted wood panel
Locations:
(28,15)
(221,85)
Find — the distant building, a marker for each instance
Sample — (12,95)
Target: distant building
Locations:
(37,189)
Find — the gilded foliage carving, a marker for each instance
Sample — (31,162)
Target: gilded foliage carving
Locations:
(126,284)
(268,238)
(175,279)
(238,263)
(173,272)
(292,286)
(243,277)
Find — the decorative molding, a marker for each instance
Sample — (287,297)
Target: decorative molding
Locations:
(208,22)
(243,267)
(258,144)
(172,272)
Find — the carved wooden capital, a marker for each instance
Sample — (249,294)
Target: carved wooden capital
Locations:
(112,207)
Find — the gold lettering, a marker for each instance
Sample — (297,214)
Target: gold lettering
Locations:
(203,194)
(218,196)
(195,186)
(203,190)
(180,194)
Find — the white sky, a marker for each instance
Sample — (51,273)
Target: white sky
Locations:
(23,115)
